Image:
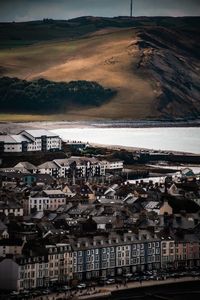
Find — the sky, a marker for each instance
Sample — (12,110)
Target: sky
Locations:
(25,10)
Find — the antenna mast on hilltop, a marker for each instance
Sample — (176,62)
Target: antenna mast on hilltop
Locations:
(131,9)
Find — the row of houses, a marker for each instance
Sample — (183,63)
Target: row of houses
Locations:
(77,167)
(30,141)
(90,258)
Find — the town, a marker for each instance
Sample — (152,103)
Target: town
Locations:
(74,219)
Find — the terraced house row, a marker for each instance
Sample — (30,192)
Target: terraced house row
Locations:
(41,265)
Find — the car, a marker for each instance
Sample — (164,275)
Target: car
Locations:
(46,292)
(136,278)
(14,293)
(65,288)
(81,286)
(128,276)
(110,281)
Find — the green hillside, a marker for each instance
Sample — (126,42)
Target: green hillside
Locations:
(152,63)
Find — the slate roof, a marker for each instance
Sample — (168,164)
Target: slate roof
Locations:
(39,132)
(26,165)
(48,165)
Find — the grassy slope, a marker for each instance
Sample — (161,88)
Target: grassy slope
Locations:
(104,50)
(105,57)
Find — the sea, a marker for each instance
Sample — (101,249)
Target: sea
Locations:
(180,139)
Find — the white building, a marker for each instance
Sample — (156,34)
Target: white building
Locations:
(46,200)
(82,166)
(113,165)
(50,168)
(30,140)
(12,143)
(42,140)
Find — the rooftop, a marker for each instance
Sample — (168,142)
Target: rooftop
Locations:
(36,133)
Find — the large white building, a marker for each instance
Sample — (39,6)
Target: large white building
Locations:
(83,167)
(30,140)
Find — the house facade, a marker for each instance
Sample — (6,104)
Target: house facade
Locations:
(115,255)
(46,200)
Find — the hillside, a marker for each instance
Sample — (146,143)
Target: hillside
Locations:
(152,63)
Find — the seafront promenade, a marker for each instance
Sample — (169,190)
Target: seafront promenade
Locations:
(107,291)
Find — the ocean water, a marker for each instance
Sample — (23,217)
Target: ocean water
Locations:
(184,139)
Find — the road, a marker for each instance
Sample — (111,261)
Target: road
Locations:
(117,292)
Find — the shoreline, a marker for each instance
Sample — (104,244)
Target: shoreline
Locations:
(112,291)
(14,127)
(130,149)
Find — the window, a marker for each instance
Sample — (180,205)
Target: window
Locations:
(80,261)
(112,255)
(142,260)
(134,253)
(96,257)
(157,251)
(96,265)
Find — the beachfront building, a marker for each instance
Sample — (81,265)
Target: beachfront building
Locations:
(187,252)
(167,252)
(22,273)
(30,141)
(41,140)
(13,143)
(60,263)
(114,255)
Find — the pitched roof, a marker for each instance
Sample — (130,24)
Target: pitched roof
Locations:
(39,132)
(13,139)
(26,165)
(48,165)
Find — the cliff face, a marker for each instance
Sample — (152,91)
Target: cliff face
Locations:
(171,57)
